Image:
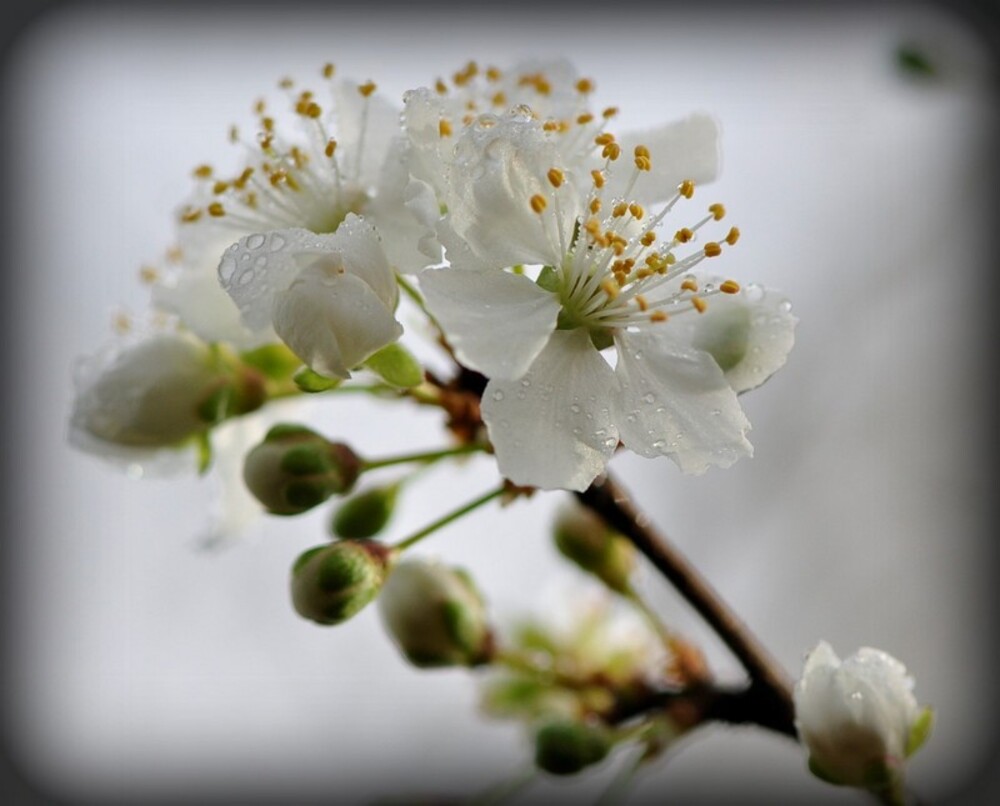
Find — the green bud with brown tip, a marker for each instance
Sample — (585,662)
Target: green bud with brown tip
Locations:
(331,583)
(295,469)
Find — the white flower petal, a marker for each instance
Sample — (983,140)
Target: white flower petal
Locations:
(676,402)
(685,149)
(366,127)
(552,428)
(399,210)
(256,268)
(496,322)
(333,321)
(358,249)
(497,168)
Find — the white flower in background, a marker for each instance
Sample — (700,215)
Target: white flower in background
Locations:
(858,718)
(330,298)
(555,407)
(346,158)
(136,397)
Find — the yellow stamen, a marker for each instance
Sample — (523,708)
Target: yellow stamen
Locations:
(441,87)
(538,203)
(712,249)
(584,119)
(331,146)
(328,69)
(556,177)
(717,211)
(595,206)
(689,284)
(190,214)
(444,128)
(683,235)
(658,316)
(604,138)
(619,210)
(584,86)
(148,274)
(610,112)
(598,179)
(610,287)
(686,189)
(636,210)
(203,171)
(648,238)
(367,88)
(612,151)
(493,74)
(500,99)
(733,236)
(729,287)
(699,304)
(640,300)
(216,210)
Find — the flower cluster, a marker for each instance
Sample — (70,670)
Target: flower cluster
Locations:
(560,267)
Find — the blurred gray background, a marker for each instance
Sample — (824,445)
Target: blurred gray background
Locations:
(141,663)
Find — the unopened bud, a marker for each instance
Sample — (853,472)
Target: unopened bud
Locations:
(331,583)
(583,537)
(294,469)
(436,615)
(367,513)
(565,748)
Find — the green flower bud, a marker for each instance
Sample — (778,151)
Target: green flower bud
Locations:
(295,469)
(367,513)
(331,583)
(583,537)
(436,616)
(565,748)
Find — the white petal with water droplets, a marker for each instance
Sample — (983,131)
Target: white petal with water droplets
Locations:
(553,428)
(676,402)
(685,149)
(365,130)
(357,248)
(332,321)
(496,322)
(497,169)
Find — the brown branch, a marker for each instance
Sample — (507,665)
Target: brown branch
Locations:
(768,700)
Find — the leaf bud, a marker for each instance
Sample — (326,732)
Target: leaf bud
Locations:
(367,513)
(295,469)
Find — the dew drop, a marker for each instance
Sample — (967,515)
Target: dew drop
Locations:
(245,277)
(498,395)
(659,444)
(649,398)
(637,355)
(754,292)
(575,408)
(260,262)
(255,241)
(716,412)
(610,442)
(785,306)
(525,383)
(277,242)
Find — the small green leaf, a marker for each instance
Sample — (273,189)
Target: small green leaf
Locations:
(822,774)
(912,60)
(204,453)
(396,366)
(312,382)
(919,731)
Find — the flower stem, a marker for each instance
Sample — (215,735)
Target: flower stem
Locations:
(768,680)
(446,519)
(423,456)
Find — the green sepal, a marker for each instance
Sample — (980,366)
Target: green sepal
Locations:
(365,514)
(919,731)
(273,361)
(911,60)
(396,366)
(822,774)
(311,382)
(216,407)
(548,278)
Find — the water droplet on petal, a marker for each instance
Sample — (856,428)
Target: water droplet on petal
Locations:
(277,242)
(525,383)
(575,408)
(649,398)
(785,306)
(255,241)
(498,395)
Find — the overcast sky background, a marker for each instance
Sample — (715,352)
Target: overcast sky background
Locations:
(141,663)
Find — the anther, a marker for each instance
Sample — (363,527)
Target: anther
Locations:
(216,210)
(612,151)
(604,138)
(286,83)
(658,316)
(598,179)
(686,189)
(595,206)
(499,99)
(203,171)
(683,235)
(699,304)
(331,146)
(729,287)
(619,210)
(220,187)
(556,177)
(640,300)
(648,238)
(493,74)
(717,211)
(444,128)
(636,211)
(733,236)
(584,85)
(367,88)
(609,287)
(584,119)
(190,214)
(712,249)
(328,69)
(610,112)
(441,87)
(689,284)
(538,203)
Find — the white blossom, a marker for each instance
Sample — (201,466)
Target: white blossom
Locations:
(519,194)
(346,157)
(330,298)
(858,717)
